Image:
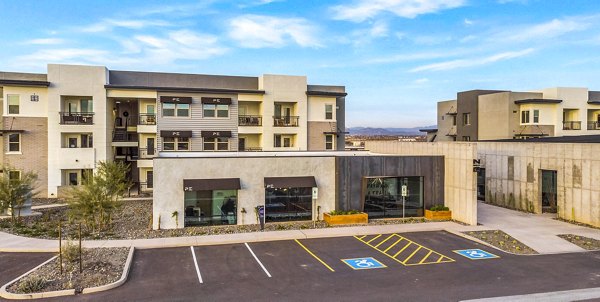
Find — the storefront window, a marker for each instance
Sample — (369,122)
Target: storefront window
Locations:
(283,204)
(383,197)
(210,207)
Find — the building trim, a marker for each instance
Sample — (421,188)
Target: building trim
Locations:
(186,89)
(25,83)
(538,101)
(428,130)
(211,184)
(176,99)
(291,182)
(175,133)
(326,93)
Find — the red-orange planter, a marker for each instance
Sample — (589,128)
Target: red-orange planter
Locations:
(438,215)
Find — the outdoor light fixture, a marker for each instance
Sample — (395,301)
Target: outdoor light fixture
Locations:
(35,98)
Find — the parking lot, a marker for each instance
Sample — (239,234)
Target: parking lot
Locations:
(408,266)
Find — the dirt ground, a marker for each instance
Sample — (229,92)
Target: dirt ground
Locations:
(583,242)
(502,241)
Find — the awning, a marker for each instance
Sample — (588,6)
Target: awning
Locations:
(175,133)
(290,182)
(218,101)
(211,184)
(213,134)
(176,99)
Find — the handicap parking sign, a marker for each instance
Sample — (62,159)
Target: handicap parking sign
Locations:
(475,254)
(363,263)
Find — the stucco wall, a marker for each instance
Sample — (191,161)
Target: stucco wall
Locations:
(169,174)
(444,121)
(513,177)
(460,192)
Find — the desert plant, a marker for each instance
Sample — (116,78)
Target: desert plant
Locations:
(32,284)
(439,207)
(70,252)
(175,215)
(350,212)
(15,192)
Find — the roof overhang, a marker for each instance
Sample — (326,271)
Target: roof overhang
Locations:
(428,130)
(187,89)
(290,182)
(538,101)
(326,93)
(211,184)
(24,83)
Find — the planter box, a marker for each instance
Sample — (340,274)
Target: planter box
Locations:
(438,215)
(345,219)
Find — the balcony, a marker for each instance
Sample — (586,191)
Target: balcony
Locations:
(250,120)
(286,121)
(76,118)
(571,125)
(147,119)
(145,153)
(593,126)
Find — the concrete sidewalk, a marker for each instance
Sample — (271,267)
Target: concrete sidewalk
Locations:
(537,231)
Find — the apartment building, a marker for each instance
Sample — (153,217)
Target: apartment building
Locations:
(62,123)
(480,115)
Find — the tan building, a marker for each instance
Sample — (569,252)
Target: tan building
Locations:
(60,124)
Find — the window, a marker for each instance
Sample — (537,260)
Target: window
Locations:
(285,141)
(525,117)
(328,111)
(72,142)
(216,207)
(86,106)
(13,103)
(466,119)
(176,143)
(216,144)
(213,110)
(14,175)
(329,142)
(536,116)
(466,138)
(170,109)
(14,142)
(383,197)
(454,120)
(87,141)
(73,179)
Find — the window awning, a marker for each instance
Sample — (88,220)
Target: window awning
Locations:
(213,134)
(176,99)
(290,182)
(218,101)
(175,133)
(211,184)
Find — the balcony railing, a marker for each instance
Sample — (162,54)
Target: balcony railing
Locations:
(145,153)
(286,121)
(593,126)
(147,119)
(571,125)
(250,120)
(249,149)
(76,118)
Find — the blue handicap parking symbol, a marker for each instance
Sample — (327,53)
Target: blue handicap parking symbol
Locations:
(363,263)
(475,254)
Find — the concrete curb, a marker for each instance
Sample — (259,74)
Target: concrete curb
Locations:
(59,293)
(117,283)
(27,250)
(67,292)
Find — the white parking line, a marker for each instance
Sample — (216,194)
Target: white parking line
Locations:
(261,265)
(196,264)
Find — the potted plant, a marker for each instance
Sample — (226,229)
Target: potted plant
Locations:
(438,212)
(345,217)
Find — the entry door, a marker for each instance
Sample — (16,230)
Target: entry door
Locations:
(241,144)
(549,191)
(150,145)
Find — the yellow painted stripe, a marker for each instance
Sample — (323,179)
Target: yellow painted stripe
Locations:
(402,250)
(383,241)
(393,244)
(315,256)
(441,258)
(422,260)
(411,255)
(373,239)
(361,237)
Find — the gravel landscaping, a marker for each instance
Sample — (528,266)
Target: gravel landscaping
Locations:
(101,266)
(583,242)
(46,201)
(133,221)
(502,241)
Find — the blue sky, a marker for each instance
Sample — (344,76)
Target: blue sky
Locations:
(397,58)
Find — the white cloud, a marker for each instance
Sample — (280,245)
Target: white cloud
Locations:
(421,81)
(109,24)
(546,30)
(462,63)
(179,45)
(362,10)
(45,41)
(256,31)
(468,22)
(257,3)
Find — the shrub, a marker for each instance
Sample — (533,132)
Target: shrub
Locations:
(32,285)
(351,212)
(70,252)
(439,207)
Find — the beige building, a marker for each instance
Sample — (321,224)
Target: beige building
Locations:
(492,115)
(62,123)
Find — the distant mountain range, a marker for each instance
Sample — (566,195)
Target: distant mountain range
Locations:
(368,131)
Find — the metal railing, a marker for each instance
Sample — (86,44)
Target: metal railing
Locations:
(250,120)
(286,121)
(147,119)
(145,153)
(571,125)
(593,126)
(76,118)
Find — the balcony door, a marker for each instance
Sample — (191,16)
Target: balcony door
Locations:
(241,144)
(150,145)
